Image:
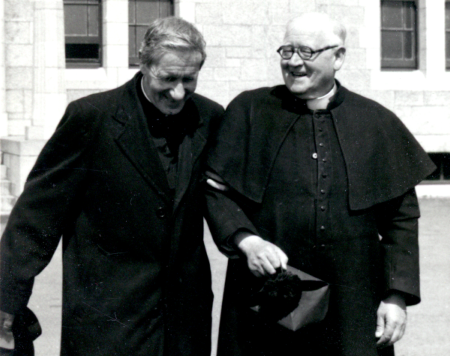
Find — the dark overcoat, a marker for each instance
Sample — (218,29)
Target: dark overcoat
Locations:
(136,277)
(382,161)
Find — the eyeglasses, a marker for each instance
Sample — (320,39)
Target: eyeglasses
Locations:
(305,53)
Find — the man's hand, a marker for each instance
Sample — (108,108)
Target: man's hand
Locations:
(391,320)
(262,256)
(6,335)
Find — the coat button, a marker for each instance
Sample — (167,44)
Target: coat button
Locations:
(314,155)
(161,212)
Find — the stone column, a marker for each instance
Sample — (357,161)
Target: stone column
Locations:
(49,92)
(432,38)
(115,40)
(3,115)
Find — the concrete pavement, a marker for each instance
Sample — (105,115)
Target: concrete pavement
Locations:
(428,324)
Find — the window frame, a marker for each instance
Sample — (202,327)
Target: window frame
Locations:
(134,61)
(76,39)
(403,63)
(447,36)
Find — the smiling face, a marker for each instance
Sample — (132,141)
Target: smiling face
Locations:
(310,79)
(172,80)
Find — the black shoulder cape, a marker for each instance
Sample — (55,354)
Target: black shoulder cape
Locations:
(383,159)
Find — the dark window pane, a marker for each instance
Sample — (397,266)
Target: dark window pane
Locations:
(165,9)
(392,45)
(447,45)
(408,45)
(447,15)
(82,20)
(442,162)
(81,51)
(147,11)
(93,23)
(436,158)
(75,20)
(391,14)
(140,32)
(446,165)
(398,34)
(131,12)
(132,50)
(409,16)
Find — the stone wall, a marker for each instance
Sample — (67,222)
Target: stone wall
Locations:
(242,37)
(18,17)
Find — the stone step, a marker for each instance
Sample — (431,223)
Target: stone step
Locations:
(7,203)
(3,172)
(5,187)
(3,220)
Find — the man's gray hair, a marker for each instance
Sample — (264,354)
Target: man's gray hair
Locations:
(168,34)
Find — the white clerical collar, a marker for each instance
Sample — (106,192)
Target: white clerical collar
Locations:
(143,90)
(321,103)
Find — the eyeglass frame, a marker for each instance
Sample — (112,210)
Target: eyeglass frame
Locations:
(298,51)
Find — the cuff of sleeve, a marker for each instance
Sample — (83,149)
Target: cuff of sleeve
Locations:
(12,303)
(410,299)
(229,248)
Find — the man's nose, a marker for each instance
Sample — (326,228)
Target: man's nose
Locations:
(295,60)
(178,92)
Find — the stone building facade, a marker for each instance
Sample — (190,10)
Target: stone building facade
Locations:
(242,37)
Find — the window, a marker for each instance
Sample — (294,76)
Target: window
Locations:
(442,162)
(447,34)
(141,13)
(82,26)
(398,34)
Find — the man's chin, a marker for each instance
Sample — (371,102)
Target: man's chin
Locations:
(167,110)
(301,92)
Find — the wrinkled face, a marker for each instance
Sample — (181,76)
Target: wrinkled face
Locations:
(171,81)
(310,79)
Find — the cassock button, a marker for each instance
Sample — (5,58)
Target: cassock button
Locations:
(321,144)
(161,212)
(324,160)
(314,155)
(322,228)
(322,208)
(322,191)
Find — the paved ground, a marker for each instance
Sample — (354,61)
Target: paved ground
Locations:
(429,322)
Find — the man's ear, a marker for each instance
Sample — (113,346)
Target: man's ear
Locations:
(339,58)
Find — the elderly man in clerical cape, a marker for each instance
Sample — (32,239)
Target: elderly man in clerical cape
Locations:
(313,175)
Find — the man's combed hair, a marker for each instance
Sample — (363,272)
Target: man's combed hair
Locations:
(168,34)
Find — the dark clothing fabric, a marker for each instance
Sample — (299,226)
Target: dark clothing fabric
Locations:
(136,277)
(26,328)
(167,133)
(303,204)
(382,158)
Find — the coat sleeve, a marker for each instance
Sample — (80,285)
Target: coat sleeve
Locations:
(225,218)
(397,222)
(48,204)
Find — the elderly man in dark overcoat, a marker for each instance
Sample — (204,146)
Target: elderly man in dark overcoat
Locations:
(121,181)
(311,174)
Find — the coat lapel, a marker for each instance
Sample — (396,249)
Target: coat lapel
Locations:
(189,152)
(135,141)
